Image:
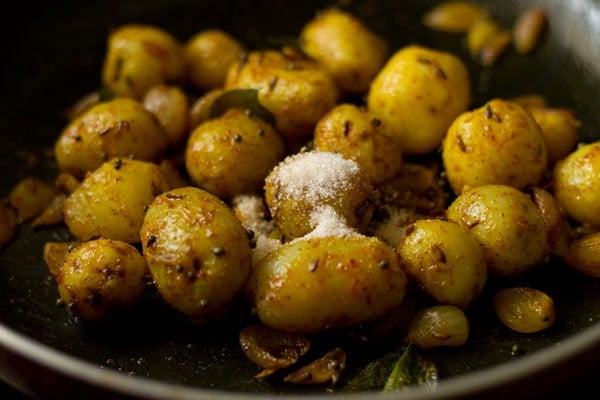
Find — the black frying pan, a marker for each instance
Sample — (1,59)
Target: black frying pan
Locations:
(52,56)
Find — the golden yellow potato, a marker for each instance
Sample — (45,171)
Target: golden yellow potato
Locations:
(111,201)
(445,260)
(202,106)
(498,143)
(583,255)
(100,278)
(170,105)
(417,94)
(357,135)
(232,154)
(30,196)
(208,55)
(351,51)
(508,225)
(310,285)
(437,326)
(8,223)
(576,180)
(524,309)
(197,251)
(453,16)
(303,184)
(139,57)
(560,129)
(118,128)
(297,91)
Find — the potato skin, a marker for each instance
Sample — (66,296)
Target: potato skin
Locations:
(310,285)
(418,93)
(560,128)
(498,143)
(118,128)
(436,326)
(524,309)
(197,251)
(232,154)
(508,225)
(170,106)
(101,277)
(445,260)
(350,51)
(576,180)
(111,201)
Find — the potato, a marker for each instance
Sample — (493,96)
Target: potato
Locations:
(30,196)
(583,255)
(170,105)
(508,225)
(197,251)
(576,179)
(208,55)
(8,223)
(524,309)
(529,28)
(417,94)
(498,143)
(100,278)
(112,200)
(300,186)
(437,326)
(357,135)
(297,91)
(453,16)
(201,108)
(139,57)
(118,128)
(560,129)
(346,47)
(232,154)
(445,260)
(310,285)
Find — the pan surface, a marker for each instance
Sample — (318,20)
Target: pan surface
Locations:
(54,56)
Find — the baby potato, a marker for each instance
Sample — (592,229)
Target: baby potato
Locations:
(303,184)
(346,47)
(453,16)
(197,251)
(445,260)
(417,94)
(100,278)
(524,309)
(8,223)
(118,128)
(437,326)
(508,225)
(310,285)
(201,108)
(576,180)
(498,143)
(111,201)
(560,129)
(170,105)
(296,90)
(232,154)
(139,57)
(208,55)
(30,196)
(357,135)
(583,255)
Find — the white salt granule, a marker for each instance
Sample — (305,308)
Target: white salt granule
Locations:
(264,246)
(393,228)
(252,212)
(327,222)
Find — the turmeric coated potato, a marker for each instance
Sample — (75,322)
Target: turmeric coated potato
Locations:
(498,143)
(197,251)
(524,309)
(445,260)
(576,180)
(296,90)
(560,128)
(118,128)
(508,225)
(357,135)
(30,196)
(417,94)
(436,326)
(139,57)
(310,285)
(200,110)
(171,107)
(232,154)
(351,51)
(111,201)
(100,278)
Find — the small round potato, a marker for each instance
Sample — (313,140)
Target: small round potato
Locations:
(346,46)
(445,260)
(498,143)
(524,309)
(508,225)
(417,94)
(111,201)
(118,128)
(208,55)
(171,107)
(139,57)
(297,91)
(310,285)
(200,110)
(560,129)
(303,183)
(583,255)
(437,326)
(197,251)
(576,180)
(100,278)
(8,223)
(357,135)
(30,197)
(232,154)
